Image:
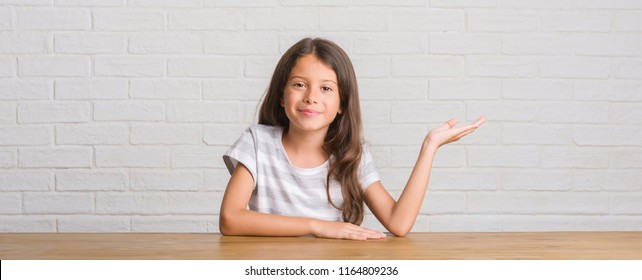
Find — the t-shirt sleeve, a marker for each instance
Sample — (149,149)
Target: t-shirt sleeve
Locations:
(243,151)
(368,171)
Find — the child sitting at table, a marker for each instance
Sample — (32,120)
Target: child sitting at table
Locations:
(304,170)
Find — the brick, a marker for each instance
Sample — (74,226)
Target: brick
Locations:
(131,203)
(502,21)
(8,113)
(246,43)
(437,203)
(25,89)
(232,89)
(205,67)
(468,180)
(610,223)
(198,157)
(537,203)
(539,223)
(125,20)
(425,20)
(98,224)
(526,89)
(281,19)
(372,67)
(19,224)
(222,134)
(626,158)
(91,89)
(170,134)
(386,43)
(627,204)
(59,157)
(536,134)
(611,90)
(607,180)
(259,67)
(92,180)
(165,43)
(627,68)
(501,111)
(130,66)
(531,44)
(165,3)
(58,203)
(91,134)
(218,112)
(127,156)
(204,203)
(10,203)
(463,3)
(625,113)
(464,43)
(575,157)
(575,68)
(504,156)
(547,4)
(502,66)
(431,66)
(536,180)
(129,111)
(375,112)
(90,3)
(24,42)
(422,112)
(166,181)
(90,43)
(608,135)
(5,19)
(216,179)
(247,3)
(206,20)
(26,181)
(465,223)
(54,19)
(575,22)
(168,89)
(54,66)
(464,89)
(53,112)
(8,158)
(609,5)
(169,224)
(404,134)
(392,89)
(350,19)
(608,44)
(573,112)
(627,21)
(7,67)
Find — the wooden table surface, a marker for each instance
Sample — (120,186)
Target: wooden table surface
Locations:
(425,246)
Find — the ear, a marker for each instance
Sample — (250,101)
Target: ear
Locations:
(282,102)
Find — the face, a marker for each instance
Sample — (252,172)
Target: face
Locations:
(311,96)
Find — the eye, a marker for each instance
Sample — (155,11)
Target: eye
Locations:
(326,88)
(299,84)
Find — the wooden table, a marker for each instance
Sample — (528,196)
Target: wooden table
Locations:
(425,246)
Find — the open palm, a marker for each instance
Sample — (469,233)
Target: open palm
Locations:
(447,132)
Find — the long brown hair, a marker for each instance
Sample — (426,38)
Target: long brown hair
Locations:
(343,142)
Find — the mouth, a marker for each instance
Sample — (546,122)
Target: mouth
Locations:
(309,112)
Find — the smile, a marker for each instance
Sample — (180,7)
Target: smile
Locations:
(309,112)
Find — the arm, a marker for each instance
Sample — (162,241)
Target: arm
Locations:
(236,219)
(399,217)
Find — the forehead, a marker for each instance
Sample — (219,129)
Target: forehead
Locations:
(310,67)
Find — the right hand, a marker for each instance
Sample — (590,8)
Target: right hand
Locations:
(342,230)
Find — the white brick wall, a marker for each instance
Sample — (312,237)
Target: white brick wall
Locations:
(114,114)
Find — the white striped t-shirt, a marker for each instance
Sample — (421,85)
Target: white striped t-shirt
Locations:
(282,188)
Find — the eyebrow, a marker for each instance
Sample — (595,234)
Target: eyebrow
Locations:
(303,78)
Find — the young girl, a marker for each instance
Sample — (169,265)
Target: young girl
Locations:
(303,169)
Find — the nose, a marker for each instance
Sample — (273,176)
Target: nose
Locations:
(310,96)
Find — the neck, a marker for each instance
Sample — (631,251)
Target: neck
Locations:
(305,149)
